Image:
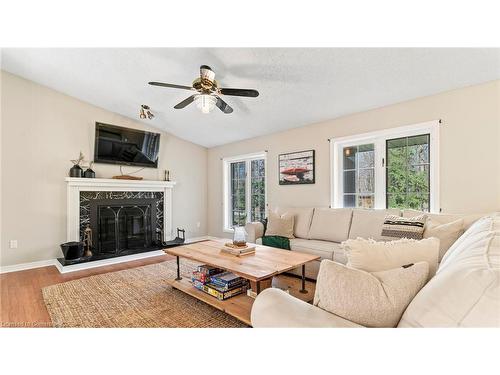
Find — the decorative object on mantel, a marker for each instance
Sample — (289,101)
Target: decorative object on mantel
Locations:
(89,173)
(167,175)
(128,176)
(76,170)
(87,240)
(297,168)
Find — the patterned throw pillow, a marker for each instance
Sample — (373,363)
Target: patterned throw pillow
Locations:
(404,227)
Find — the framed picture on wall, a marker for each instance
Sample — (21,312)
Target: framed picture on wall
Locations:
(296,168)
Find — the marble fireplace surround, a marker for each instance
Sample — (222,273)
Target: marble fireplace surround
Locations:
(77,185)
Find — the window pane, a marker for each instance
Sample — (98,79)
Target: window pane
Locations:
(366,201)
(408,178)
(349,181)
(238,190)
(359,175)
(350,157)
(366,156)
(258,190)
(349,200)
(365,181)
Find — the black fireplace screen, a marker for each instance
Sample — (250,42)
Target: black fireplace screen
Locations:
(121,226)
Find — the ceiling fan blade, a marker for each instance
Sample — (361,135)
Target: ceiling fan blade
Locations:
(240,92)
(185,102)
(171,85)
(223,106)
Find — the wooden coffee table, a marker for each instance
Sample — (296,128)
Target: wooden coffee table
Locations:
(261,267)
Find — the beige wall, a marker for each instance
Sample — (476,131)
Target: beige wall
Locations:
(469,151)
(42,130)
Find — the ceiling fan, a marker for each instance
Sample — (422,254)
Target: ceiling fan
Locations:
(207,92)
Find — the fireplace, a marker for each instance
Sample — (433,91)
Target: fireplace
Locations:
(126,217)
(124,225)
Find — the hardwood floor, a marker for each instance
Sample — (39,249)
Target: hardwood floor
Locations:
(21,302)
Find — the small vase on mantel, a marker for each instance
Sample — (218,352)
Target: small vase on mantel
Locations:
(75,171)
(89,173)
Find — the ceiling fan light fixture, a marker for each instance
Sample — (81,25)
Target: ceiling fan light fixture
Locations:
(206,103)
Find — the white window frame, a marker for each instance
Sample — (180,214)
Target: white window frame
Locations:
(226,168)
(378,138)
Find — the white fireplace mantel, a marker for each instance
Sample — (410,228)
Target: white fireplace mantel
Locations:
(76,185)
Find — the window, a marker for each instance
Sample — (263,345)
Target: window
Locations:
(394,168)
(244,189)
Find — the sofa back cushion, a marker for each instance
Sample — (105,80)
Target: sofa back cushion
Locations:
(469,219)
(466,289)
(330,224)
(302,219)
(373,256)
(368,223)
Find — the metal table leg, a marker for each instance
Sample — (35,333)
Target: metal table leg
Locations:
(303,290)
(178,270)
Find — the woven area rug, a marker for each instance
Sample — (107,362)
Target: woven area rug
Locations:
(137,297)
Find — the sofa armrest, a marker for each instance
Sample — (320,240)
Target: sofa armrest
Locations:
(254,230)
(274,308)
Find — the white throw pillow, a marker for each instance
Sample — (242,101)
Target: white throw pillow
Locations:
(280,225)
(371,299)
(446,233)
(373,256)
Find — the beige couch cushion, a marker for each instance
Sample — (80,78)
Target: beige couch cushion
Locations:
(324,249)
(302,219)
(373,256)
(466,289)
(371,299)
(368,223)
(274,308)
(469,219)
(446,233)
(280,225)
(330,224)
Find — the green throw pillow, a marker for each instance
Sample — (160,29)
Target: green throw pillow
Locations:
(276,241)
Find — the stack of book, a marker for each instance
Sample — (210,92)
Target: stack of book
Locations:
(229,248)
(215,282)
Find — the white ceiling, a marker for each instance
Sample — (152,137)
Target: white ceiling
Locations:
(298,86)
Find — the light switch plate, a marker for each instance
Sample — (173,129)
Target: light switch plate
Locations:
(13,244)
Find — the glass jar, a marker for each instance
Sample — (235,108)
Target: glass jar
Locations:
(240,236)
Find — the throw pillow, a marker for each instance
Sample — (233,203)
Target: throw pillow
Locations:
(446,233)
(376,299)
(276,241)
(373,256)
(404,227)
(280,225)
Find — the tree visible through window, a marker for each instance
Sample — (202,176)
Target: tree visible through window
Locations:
(247,191)
(238,193)
(408,180)
(390,168)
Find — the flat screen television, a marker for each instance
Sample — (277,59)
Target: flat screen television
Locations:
(118,145)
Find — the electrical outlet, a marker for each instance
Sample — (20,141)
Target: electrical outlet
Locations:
(198,224)
(13,244)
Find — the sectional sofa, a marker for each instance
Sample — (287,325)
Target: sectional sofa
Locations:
(320,231)
(465,292)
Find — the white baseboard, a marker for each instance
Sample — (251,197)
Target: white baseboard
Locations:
(97,263)
(28,266)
